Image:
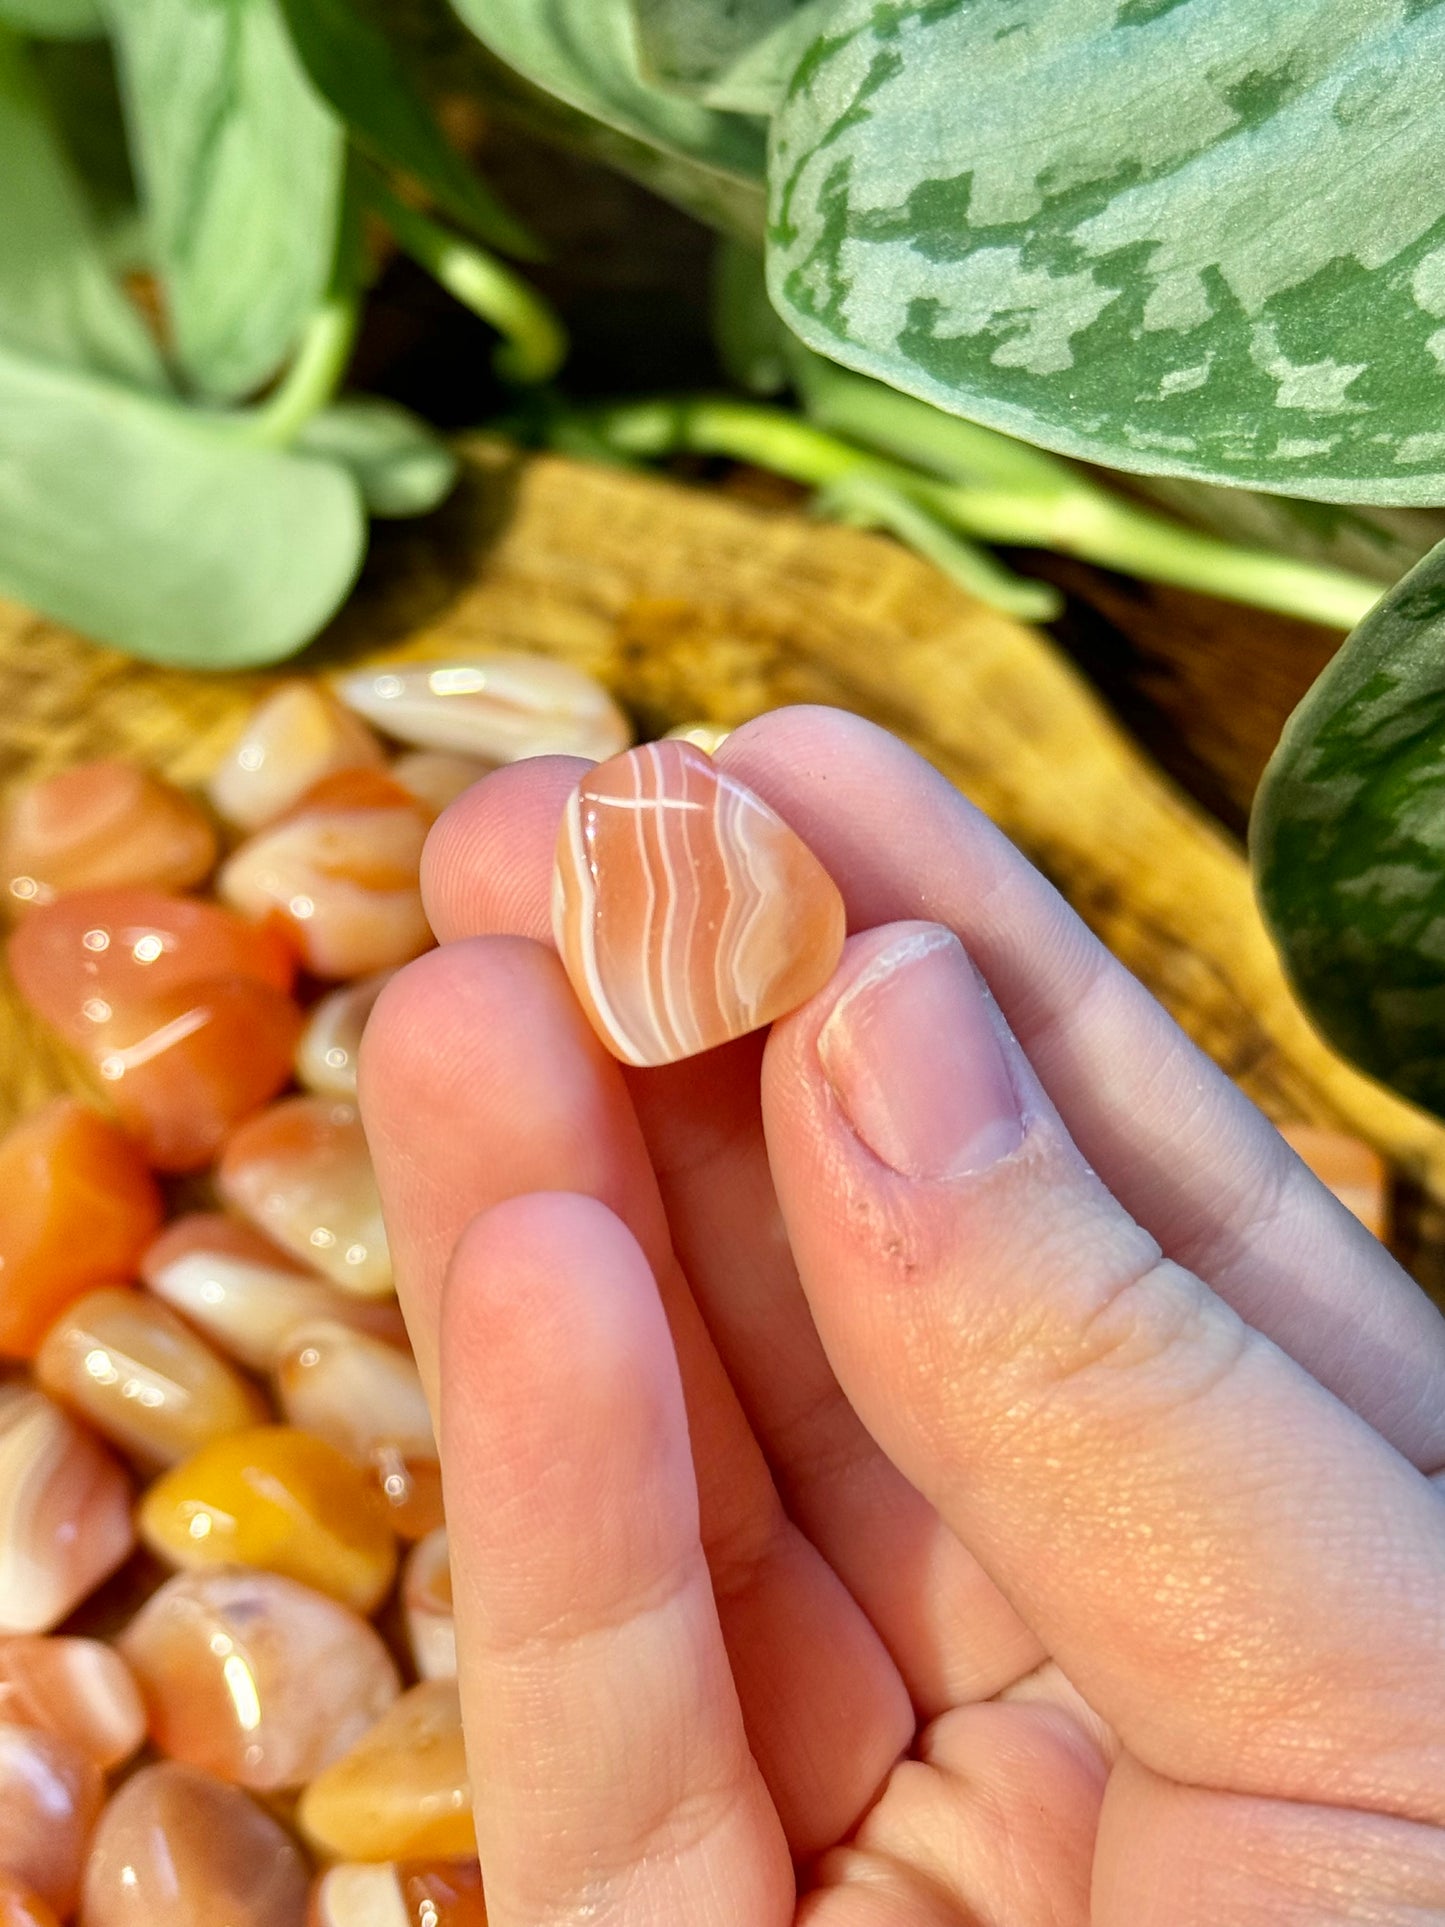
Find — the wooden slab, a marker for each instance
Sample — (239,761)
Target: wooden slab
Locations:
(691,604)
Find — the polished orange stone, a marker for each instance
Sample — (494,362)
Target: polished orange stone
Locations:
(50,1795)
(685,910)
(77,1207)
(125,1363)
(22,1907)
(80,1689)
(417,1893)
(255,1678)
(86,958)
(326,1057)
(401,1792)
(436,778)
(498,705)
(340,874)
(65,1518)
(184,1068)
(278,1498)
(247,1295)
(176,1848)
(426,1597)
(1353,1170)
(301,1172)
(297,735)
(101,824)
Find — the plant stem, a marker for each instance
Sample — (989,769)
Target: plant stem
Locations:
(534,340)
(313,376)
(1077,520)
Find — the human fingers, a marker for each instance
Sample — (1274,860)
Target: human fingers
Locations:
(1233,1568)
(954,1638)
(610,1769)
(482,1081)
(1183,1150)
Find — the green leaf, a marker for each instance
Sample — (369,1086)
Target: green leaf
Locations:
(699,45)
(1189,237)
(161,531)
(241,166)
(584,52)
(353,63)
(54,19)
(1348,841)
(57,299)
(401,467)
(752,342)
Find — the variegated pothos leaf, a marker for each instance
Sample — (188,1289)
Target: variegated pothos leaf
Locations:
(1191,237)
(1348,841)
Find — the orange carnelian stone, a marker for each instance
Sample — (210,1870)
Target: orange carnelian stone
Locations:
(184,1068)
(86,958)
(77,1209)
(101,824)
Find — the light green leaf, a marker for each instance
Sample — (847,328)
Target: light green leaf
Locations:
(692,44)
(57,299)
(584,53)
(240,164)
(54,19)
(401,467)
(161,531)
(1190,237)
(355,66)
(1348,841)
(757,81)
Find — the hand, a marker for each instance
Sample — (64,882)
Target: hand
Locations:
(952,1467)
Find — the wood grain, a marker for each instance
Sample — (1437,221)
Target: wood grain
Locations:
(688,603)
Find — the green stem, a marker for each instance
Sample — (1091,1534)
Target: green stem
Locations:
(535,343)
(1079,520)
(313,377)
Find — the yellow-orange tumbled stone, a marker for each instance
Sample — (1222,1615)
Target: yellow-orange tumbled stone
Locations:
(275,1497)
(685,910)
(1352,1169)
(402,1791)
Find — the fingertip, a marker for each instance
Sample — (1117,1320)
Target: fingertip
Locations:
(487,865)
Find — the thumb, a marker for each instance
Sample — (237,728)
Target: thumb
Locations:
(1235,1569)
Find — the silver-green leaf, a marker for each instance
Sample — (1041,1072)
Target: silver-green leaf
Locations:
(152,527)
(401,466)
(584,52)
(1348,841)
(1189,237)
(698,46)
(57,298)
(240,164)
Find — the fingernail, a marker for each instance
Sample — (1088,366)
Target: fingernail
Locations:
(913,1059)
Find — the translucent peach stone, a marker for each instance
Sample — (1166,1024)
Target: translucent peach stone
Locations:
(80,1689)
(366,1398)
(439,1893)
(255,1678)
(426,1596)
(435,778)
(498,706)
(100,824)
(277,1498)
(341,875)
(122,1361)
(50,1794)
(176,1848)
(293,738)
(65,1522)
(85,958)
(1353,1170)
(21,1907)
(401,1792)
(301,1173)
(326,1057)
(686,912)
(247,1295)
(77,1207)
